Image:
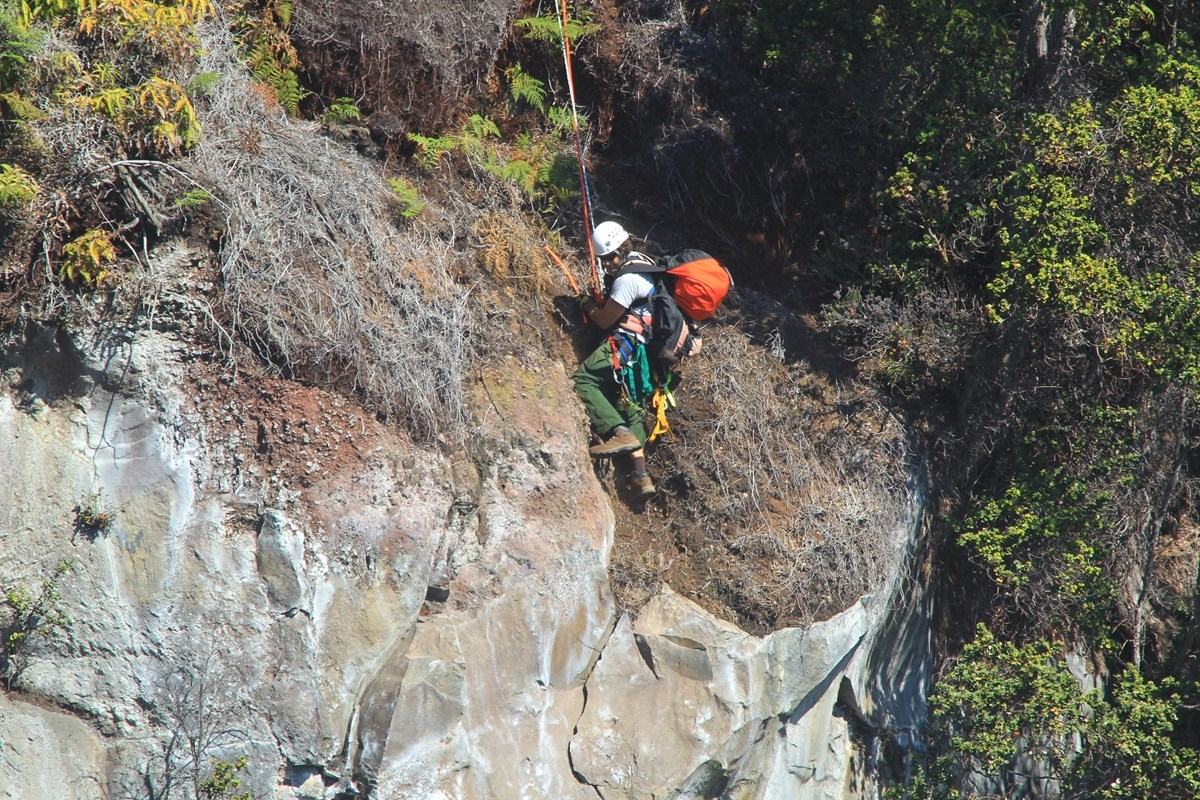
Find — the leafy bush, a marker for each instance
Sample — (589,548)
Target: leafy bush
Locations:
(86,258)
(32,615)
(223,784)
(1010,717)
(92,517)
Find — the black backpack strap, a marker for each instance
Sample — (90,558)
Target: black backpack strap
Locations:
(640,263)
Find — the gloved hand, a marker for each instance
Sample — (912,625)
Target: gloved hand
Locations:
(586,303)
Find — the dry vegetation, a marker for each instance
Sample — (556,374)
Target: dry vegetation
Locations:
(411,65)
(317,274)
(785,487)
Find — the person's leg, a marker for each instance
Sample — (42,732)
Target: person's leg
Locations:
(638,483)
(596,389)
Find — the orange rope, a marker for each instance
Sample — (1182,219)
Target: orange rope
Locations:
(583,181)
(554,257)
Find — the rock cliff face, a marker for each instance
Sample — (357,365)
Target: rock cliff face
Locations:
(289,580)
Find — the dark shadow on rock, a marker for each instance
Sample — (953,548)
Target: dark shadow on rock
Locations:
(570,320)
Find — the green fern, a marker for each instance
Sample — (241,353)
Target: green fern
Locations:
(290,91)
(344,109)
(548,27)
(473,137)
(271,66)
(192,198)
(523,86)
(430,149)
(558,179)
(282,79)
(519,171)
(479,127)
(411,203)
(17,187)
(561,120)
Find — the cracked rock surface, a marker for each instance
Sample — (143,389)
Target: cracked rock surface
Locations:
(286,579)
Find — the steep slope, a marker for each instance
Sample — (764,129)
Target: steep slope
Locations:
(320,479)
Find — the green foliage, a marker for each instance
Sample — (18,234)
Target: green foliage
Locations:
(1131,749)
(1001,700)
(86,258)
(536,164)
(17,187)
(1049,533)
(409,197)
(476,129)
(561,119)
(548,27)
(18,46)
(32,615)
(125,44)
(344,109)
(203,83)
(1036,513)
(223,784)
(524,87)
(268,50)
(1000,696)
(192,198)
(92,517)
(430,149)
(471,140)
(280,77)
(20,108)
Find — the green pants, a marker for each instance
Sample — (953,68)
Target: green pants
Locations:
(601,395)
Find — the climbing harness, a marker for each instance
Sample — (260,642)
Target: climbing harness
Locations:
(583,178)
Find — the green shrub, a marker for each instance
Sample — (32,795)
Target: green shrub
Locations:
(87,257)
(223,783)
(1002,701)
(31,615)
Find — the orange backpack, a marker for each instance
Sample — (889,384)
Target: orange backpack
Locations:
(699,283)
(696,280)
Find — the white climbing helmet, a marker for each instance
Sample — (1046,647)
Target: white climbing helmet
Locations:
(607,237)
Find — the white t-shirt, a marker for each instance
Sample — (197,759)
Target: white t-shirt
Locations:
(632,290)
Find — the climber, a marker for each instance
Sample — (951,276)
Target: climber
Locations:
(613,405)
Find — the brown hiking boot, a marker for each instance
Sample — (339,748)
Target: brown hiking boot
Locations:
(640,487)
(621,440)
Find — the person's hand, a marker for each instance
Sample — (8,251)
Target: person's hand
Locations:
(586,303)
(696,346)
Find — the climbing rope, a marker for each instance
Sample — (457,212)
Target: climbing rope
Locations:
(583,178)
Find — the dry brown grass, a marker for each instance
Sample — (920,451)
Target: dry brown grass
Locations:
(319,274)
(797,483)
(412,64)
